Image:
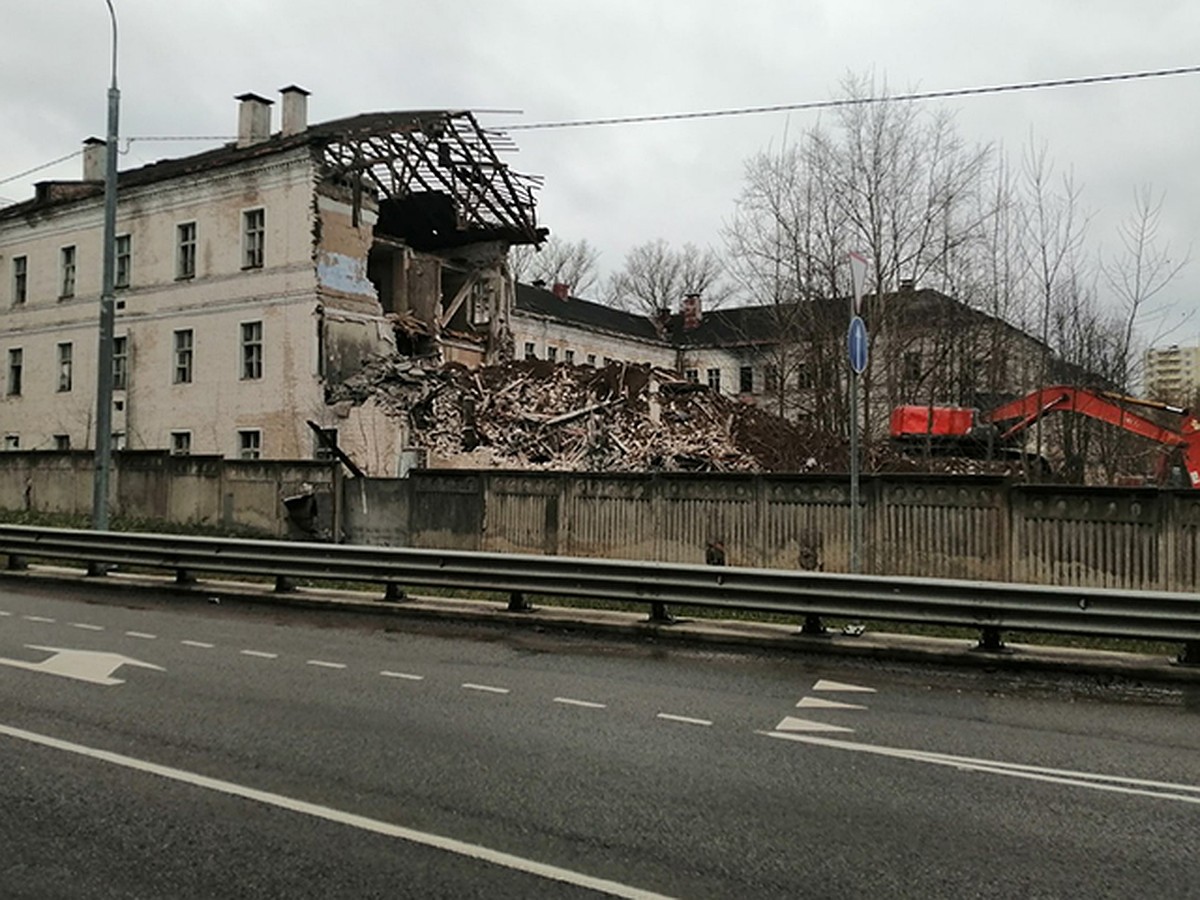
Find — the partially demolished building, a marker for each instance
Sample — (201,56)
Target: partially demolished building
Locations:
(255,277)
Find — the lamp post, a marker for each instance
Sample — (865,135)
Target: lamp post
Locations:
(104,373)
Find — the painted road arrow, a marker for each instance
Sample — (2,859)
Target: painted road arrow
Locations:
(82,665)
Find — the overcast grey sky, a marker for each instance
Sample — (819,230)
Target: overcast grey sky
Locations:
(182,61)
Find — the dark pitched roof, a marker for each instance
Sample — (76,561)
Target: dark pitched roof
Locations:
(584,313)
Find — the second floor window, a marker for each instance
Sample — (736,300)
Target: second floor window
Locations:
(746,380)
(65,361)
(252,350)
(254,226)
(120,363)
(530,351)
(185,254)
(552,353)
(183,356)
(714,379)
(124,261)
(67,272)
(16,363)
(20,281)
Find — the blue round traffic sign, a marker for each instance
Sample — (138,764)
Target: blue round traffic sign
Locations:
(856,342)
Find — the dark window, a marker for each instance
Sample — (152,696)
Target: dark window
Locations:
(714,379)
(252,350)
(65,363)
(746,380)
(185,256)
(16,363)
(181,443)
(120,360)
(62,442)
(250,444)
(183,356)
(254,232)
(530,350)
(124,261)
(692,375)
(67,271)
(20,269)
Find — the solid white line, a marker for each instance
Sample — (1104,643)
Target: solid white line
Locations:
(487,688)
(3,613)
(37,619)
(1092,780)
(260,654)
(329,814)
(685,719)
(87,627)
(403,675)
(326,665)
(141,634)
(200,644)
(586,703)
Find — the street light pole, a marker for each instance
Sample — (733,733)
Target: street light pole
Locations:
(104,369)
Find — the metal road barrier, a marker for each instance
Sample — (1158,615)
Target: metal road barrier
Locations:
(993,607)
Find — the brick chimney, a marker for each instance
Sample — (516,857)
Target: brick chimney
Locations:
(295,110)
(561,291)
(254,119)
(94,159)
(691,312)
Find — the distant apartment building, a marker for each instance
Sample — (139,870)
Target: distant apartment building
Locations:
(1172,374)
(252,276)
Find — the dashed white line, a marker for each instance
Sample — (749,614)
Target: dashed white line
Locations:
(486,688)
(261,654)
(326,665)
(687,720)
(3,613)
(405,675)
(36,619)
(585,703)
(201,644)
(141,634)
(86,627)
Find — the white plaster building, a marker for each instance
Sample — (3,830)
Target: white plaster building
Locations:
(1172,374)
(251,276)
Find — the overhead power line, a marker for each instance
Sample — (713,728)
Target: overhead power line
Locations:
(861,101)
(45,165)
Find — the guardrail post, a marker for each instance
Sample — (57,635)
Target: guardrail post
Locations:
(518,603)
(17,563)
(393,593)
(284,585)
(96,569)
(990,640)
(813,626)
(183,576)
(1190,654)
(660,615)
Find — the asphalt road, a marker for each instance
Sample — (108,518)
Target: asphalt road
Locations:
(292,754)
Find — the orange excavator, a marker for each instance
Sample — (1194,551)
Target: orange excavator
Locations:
(958,429)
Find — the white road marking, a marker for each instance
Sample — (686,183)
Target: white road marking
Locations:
(687,720)
(585,703)
(407,677)
(260,654)
(1184,793)
(201,644)
(3,613)
(37,619)
(822,703)
(790,723)
(80,665)
(142,635)
(87,627)
(326,665)
(486,688)
(341,817)
(825,685)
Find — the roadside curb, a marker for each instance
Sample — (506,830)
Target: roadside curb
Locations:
(717,633)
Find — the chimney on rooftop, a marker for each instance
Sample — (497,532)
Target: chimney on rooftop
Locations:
(295,110)
(691,312)
(93,159)
(561,291)
(908,285)
(254,119)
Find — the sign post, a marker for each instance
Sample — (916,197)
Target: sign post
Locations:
(857,346)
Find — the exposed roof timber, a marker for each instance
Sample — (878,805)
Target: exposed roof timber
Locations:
(441,151)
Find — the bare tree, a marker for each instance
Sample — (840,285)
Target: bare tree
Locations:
(574,263)
(656,276)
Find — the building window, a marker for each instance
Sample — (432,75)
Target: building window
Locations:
(250,444)
(569,356)
(62,442)
(746,380)
(16,362)
(65,361)
(804,378)
(181,443)
(252,350)
(323,445)
(67,272)
(714,379)
(254,228)
(118,440)
(12,442)
(771,379)
(692,376)
(912,368)
(124,260)
(530,350)
(183,356)
(120,359)
(185,253)
(20,280)
(552,354)
(591,360)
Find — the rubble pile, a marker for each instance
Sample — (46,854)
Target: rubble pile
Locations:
(536,414)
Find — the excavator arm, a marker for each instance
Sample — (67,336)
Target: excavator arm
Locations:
(1106,407)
